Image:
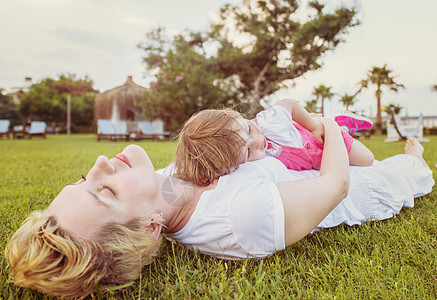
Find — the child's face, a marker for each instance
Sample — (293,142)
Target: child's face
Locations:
(256,143)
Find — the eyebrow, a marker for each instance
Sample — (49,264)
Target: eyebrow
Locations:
(97,198)
(246,127)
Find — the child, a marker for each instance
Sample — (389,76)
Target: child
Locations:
(214,142)
(287,132)
(209,146)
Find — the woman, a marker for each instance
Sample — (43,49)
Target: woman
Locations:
(105,227)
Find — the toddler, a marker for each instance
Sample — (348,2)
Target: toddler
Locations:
(288,132)
(215,142)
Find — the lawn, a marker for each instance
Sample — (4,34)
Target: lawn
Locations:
(396,258)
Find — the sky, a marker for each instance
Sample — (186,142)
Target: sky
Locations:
(99,38)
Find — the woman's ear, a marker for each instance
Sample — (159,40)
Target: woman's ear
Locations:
(155,226)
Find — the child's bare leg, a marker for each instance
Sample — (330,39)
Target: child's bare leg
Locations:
(413,147)
(360,155)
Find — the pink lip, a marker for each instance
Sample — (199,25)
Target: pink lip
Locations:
(123,158)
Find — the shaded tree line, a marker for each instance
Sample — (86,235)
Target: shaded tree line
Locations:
(47,101)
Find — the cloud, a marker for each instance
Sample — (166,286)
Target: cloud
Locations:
(63,54)
(87,38)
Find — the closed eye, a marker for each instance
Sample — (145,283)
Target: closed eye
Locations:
(108,189)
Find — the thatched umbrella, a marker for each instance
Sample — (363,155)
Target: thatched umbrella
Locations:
(127,98)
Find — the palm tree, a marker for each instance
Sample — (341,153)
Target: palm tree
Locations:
(379,77)
(347,100)
(311,105)
(323,92)
(393,107)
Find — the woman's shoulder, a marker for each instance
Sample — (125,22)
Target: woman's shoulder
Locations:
(247,179)
(242,217)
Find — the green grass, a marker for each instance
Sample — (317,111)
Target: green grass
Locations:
(396,258)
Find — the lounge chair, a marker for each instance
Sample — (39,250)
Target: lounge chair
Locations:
(37,128)
(147,131)
(105,128)
(4,128)
(396,131)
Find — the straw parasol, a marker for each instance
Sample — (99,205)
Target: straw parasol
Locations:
(127,98)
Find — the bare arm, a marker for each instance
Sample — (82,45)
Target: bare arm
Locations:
(301,116)
(307,202)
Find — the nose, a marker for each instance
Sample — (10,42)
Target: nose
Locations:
(257,142)
(101,166)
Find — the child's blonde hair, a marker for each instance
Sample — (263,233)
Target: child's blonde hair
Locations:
(209,146)
(43,256)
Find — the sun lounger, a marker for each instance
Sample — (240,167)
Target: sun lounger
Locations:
(105,128)
(398,132)
(37,128)
(148,132)
(4,128)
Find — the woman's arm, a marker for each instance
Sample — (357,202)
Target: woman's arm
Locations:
(300,115)
(307,202)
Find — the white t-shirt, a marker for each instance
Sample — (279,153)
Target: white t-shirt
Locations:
(243,216)
(276,124)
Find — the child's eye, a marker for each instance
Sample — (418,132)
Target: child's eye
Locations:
(250,129)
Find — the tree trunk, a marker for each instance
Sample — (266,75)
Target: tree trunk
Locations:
(378,123)
(322,108)
(255,107)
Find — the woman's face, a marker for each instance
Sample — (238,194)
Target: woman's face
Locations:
(115,190)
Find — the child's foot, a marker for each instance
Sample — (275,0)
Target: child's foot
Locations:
(413,147)
(352,122)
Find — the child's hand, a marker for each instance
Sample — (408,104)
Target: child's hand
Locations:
(319,131)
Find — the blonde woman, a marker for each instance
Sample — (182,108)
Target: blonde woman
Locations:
(103,229)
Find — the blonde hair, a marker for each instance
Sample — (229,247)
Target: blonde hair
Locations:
(209,146)
(44,257)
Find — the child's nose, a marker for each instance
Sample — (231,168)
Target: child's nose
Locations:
(260,140)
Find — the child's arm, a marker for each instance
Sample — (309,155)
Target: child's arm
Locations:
(300,115)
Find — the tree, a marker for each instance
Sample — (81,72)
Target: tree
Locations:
(8,108)
(82,112)
(380,77)
(70,84)
(186,80)
(347,100)
(279,47)
(393,107)
(46,100)
(321,93)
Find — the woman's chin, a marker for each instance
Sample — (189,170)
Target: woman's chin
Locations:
(133,148)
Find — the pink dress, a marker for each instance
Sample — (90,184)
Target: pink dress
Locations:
(296,147)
